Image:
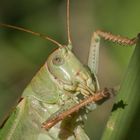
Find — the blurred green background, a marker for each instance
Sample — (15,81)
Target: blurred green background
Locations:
(21,54)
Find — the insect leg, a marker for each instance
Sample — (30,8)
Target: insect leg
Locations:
(93,59)
(94,53)
(104,94)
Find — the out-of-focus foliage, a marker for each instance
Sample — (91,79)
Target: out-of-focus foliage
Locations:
(21,54)
(124,120)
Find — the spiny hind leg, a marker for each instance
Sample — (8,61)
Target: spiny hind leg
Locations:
(93,59)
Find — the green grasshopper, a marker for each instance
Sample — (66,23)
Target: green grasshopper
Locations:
(56,88)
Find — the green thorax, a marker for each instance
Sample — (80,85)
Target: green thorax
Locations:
(42,87)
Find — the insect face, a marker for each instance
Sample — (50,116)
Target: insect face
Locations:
(69,72)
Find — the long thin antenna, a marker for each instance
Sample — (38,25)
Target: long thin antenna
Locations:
(68,22)
(31,32)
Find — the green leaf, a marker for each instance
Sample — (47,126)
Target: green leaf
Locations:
(124,122)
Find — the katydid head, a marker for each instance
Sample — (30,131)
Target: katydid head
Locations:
(69,72)
(63,65)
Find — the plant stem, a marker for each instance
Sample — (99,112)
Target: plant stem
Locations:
(124,123)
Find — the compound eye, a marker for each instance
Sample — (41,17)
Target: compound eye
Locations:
(58,60)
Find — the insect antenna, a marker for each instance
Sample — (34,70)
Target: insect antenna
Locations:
(68,22)
(31,32)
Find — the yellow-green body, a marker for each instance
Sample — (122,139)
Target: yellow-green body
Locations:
(53,89)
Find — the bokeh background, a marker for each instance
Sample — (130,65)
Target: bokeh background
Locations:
(21,54)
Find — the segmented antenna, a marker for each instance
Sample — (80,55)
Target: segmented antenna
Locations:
(116,38)
(68,22)
(31,32)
